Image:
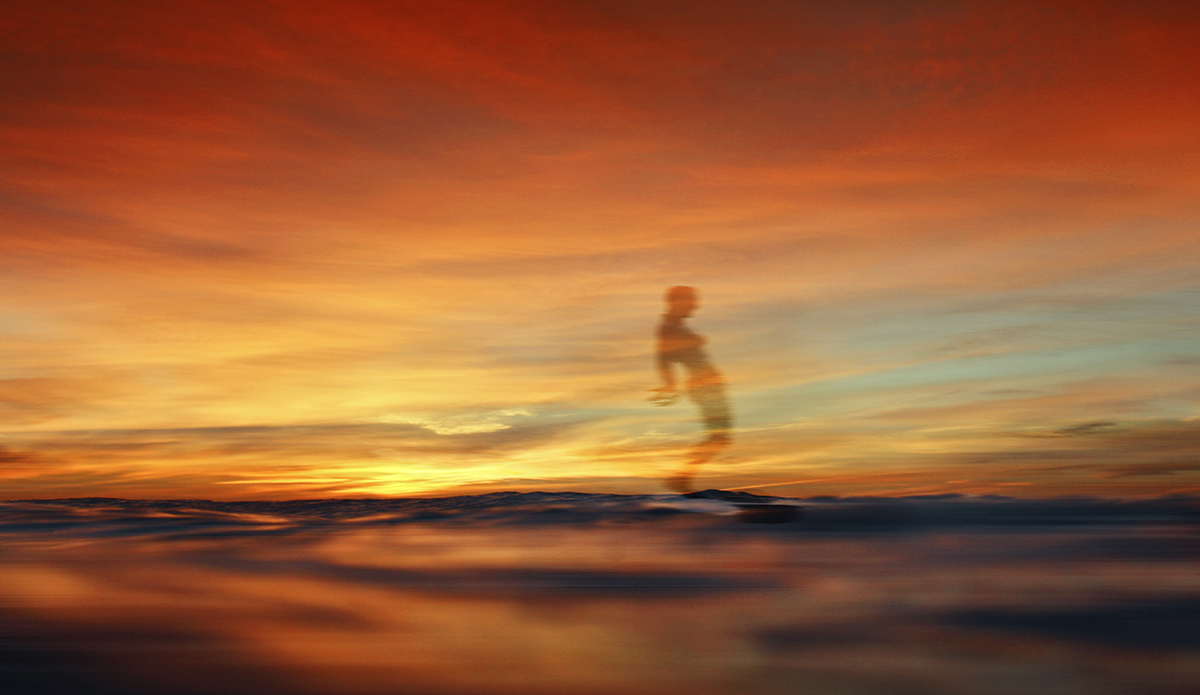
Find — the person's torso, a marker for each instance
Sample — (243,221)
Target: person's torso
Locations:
(678,343)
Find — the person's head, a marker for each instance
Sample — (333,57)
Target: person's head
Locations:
(682,301)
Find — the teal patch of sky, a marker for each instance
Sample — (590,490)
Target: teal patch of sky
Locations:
(941,352)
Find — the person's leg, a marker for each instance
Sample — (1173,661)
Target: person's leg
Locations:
(714,411)
(718,422)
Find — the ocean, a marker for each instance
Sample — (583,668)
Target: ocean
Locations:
(580,594)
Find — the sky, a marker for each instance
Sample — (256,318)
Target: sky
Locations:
(347,248)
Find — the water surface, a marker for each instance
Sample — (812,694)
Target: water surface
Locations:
(572,593)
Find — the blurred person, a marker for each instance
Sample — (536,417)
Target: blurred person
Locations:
(705,386)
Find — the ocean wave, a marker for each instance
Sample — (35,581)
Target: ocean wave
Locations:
(115,517)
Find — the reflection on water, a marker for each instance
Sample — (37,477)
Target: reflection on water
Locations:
(596,594)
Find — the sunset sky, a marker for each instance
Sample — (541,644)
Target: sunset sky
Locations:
(300,249)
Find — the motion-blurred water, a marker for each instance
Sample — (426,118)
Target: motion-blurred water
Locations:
(589,594)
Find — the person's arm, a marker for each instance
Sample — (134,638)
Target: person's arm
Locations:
(665,371)
(667,393)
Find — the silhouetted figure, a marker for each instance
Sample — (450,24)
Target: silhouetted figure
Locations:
(678,344)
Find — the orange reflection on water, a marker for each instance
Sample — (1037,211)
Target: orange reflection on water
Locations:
(691,605)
